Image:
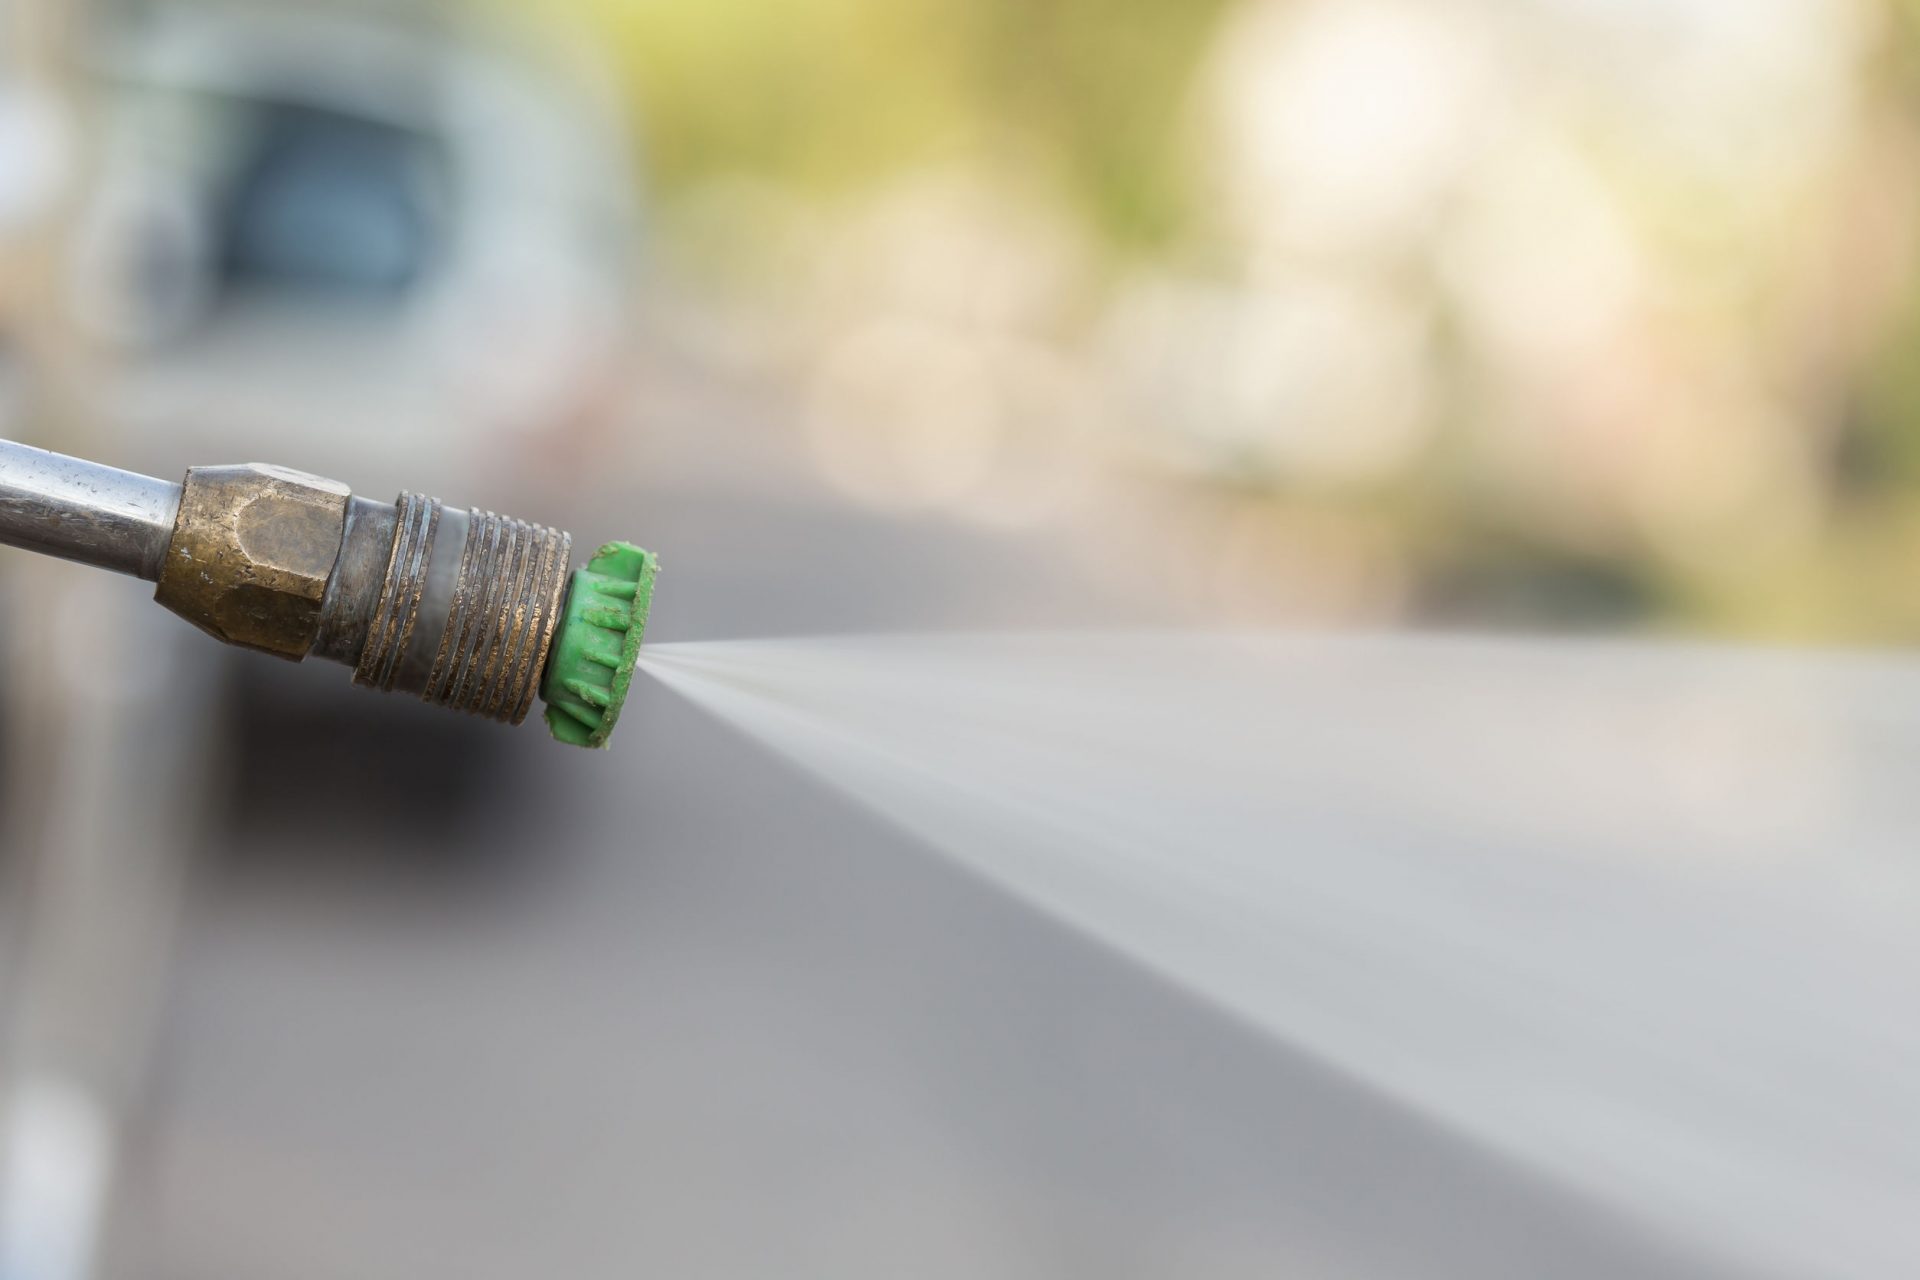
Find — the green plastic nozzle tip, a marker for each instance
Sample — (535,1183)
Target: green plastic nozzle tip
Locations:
(597,643)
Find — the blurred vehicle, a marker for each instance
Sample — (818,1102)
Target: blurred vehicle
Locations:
(381,241)
(287,194)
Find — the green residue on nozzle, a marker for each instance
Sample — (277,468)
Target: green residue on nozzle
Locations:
(597,643)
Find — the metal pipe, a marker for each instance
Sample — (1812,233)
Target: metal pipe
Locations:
(84,512)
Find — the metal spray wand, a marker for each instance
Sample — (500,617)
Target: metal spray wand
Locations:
(465,608)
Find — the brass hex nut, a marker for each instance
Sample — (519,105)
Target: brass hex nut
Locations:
(251,554)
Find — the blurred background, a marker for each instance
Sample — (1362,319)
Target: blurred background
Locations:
(868,315)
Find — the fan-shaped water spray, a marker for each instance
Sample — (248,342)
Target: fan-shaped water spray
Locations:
(1641,917)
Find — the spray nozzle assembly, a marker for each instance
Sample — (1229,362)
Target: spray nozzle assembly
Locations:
(463,608)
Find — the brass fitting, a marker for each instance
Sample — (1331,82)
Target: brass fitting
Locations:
(456,606)
(252,550)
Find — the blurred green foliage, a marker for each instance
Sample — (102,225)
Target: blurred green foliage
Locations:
(822,95)
(1093,99)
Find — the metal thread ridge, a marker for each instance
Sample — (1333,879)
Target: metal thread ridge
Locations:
(399,608)
(506,602)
